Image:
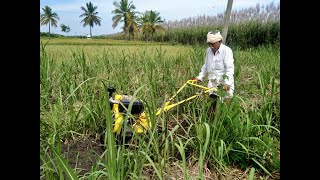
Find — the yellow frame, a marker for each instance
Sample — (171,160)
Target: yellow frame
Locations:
(142,124)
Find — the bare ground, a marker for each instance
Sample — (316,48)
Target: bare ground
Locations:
(83,152)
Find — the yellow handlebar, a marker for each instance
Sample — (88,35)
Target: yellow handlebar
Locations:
(168,105)
(193,82)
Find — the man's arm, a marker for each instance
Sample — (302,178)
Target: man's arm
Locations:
(229,64)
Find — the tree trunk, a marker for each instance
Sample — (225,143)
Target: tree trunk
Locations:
(49,30)
(226,20)
(90,32)
(153,32)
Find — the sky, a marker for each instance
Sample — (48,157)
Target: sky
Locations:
(69,12)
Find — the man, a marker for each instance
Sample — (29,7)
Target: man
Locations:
(218,66)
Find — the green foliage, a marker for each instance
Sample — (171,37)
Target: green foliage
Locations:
(125,12)
(150,23)
(65,28)
(254,34)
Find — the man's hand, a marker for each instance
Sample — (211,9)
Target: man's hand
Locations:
(226,87)
(196,79)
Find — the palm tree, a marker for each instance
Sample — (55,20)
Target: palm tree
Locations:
(48,17)
(124,13)
(132,25)
(90,16)
(150,23)
(145,25)
(65,28)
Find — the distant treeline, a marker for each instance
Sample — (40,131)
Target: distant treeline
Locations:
(44,34)
(245,35)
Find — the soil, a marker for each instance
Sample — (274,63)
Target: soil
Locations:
(232,173)
(82,153)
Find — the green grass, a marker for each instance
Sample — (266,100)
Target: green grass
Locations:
(61,49)
(96,42)
(73,81)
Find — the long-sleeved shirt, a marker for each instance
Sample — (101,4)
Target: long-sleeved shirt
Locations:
(217,65)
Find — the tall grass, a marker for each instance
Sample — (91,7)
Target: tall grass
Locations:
(244,133)
(246,34)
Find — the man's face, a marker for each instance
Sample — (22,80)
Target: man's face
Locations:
(214,46)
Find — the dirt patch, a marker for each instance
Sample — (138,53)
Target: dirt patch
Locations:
(175,172)
(82,152)
(238,173)
(232,173)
